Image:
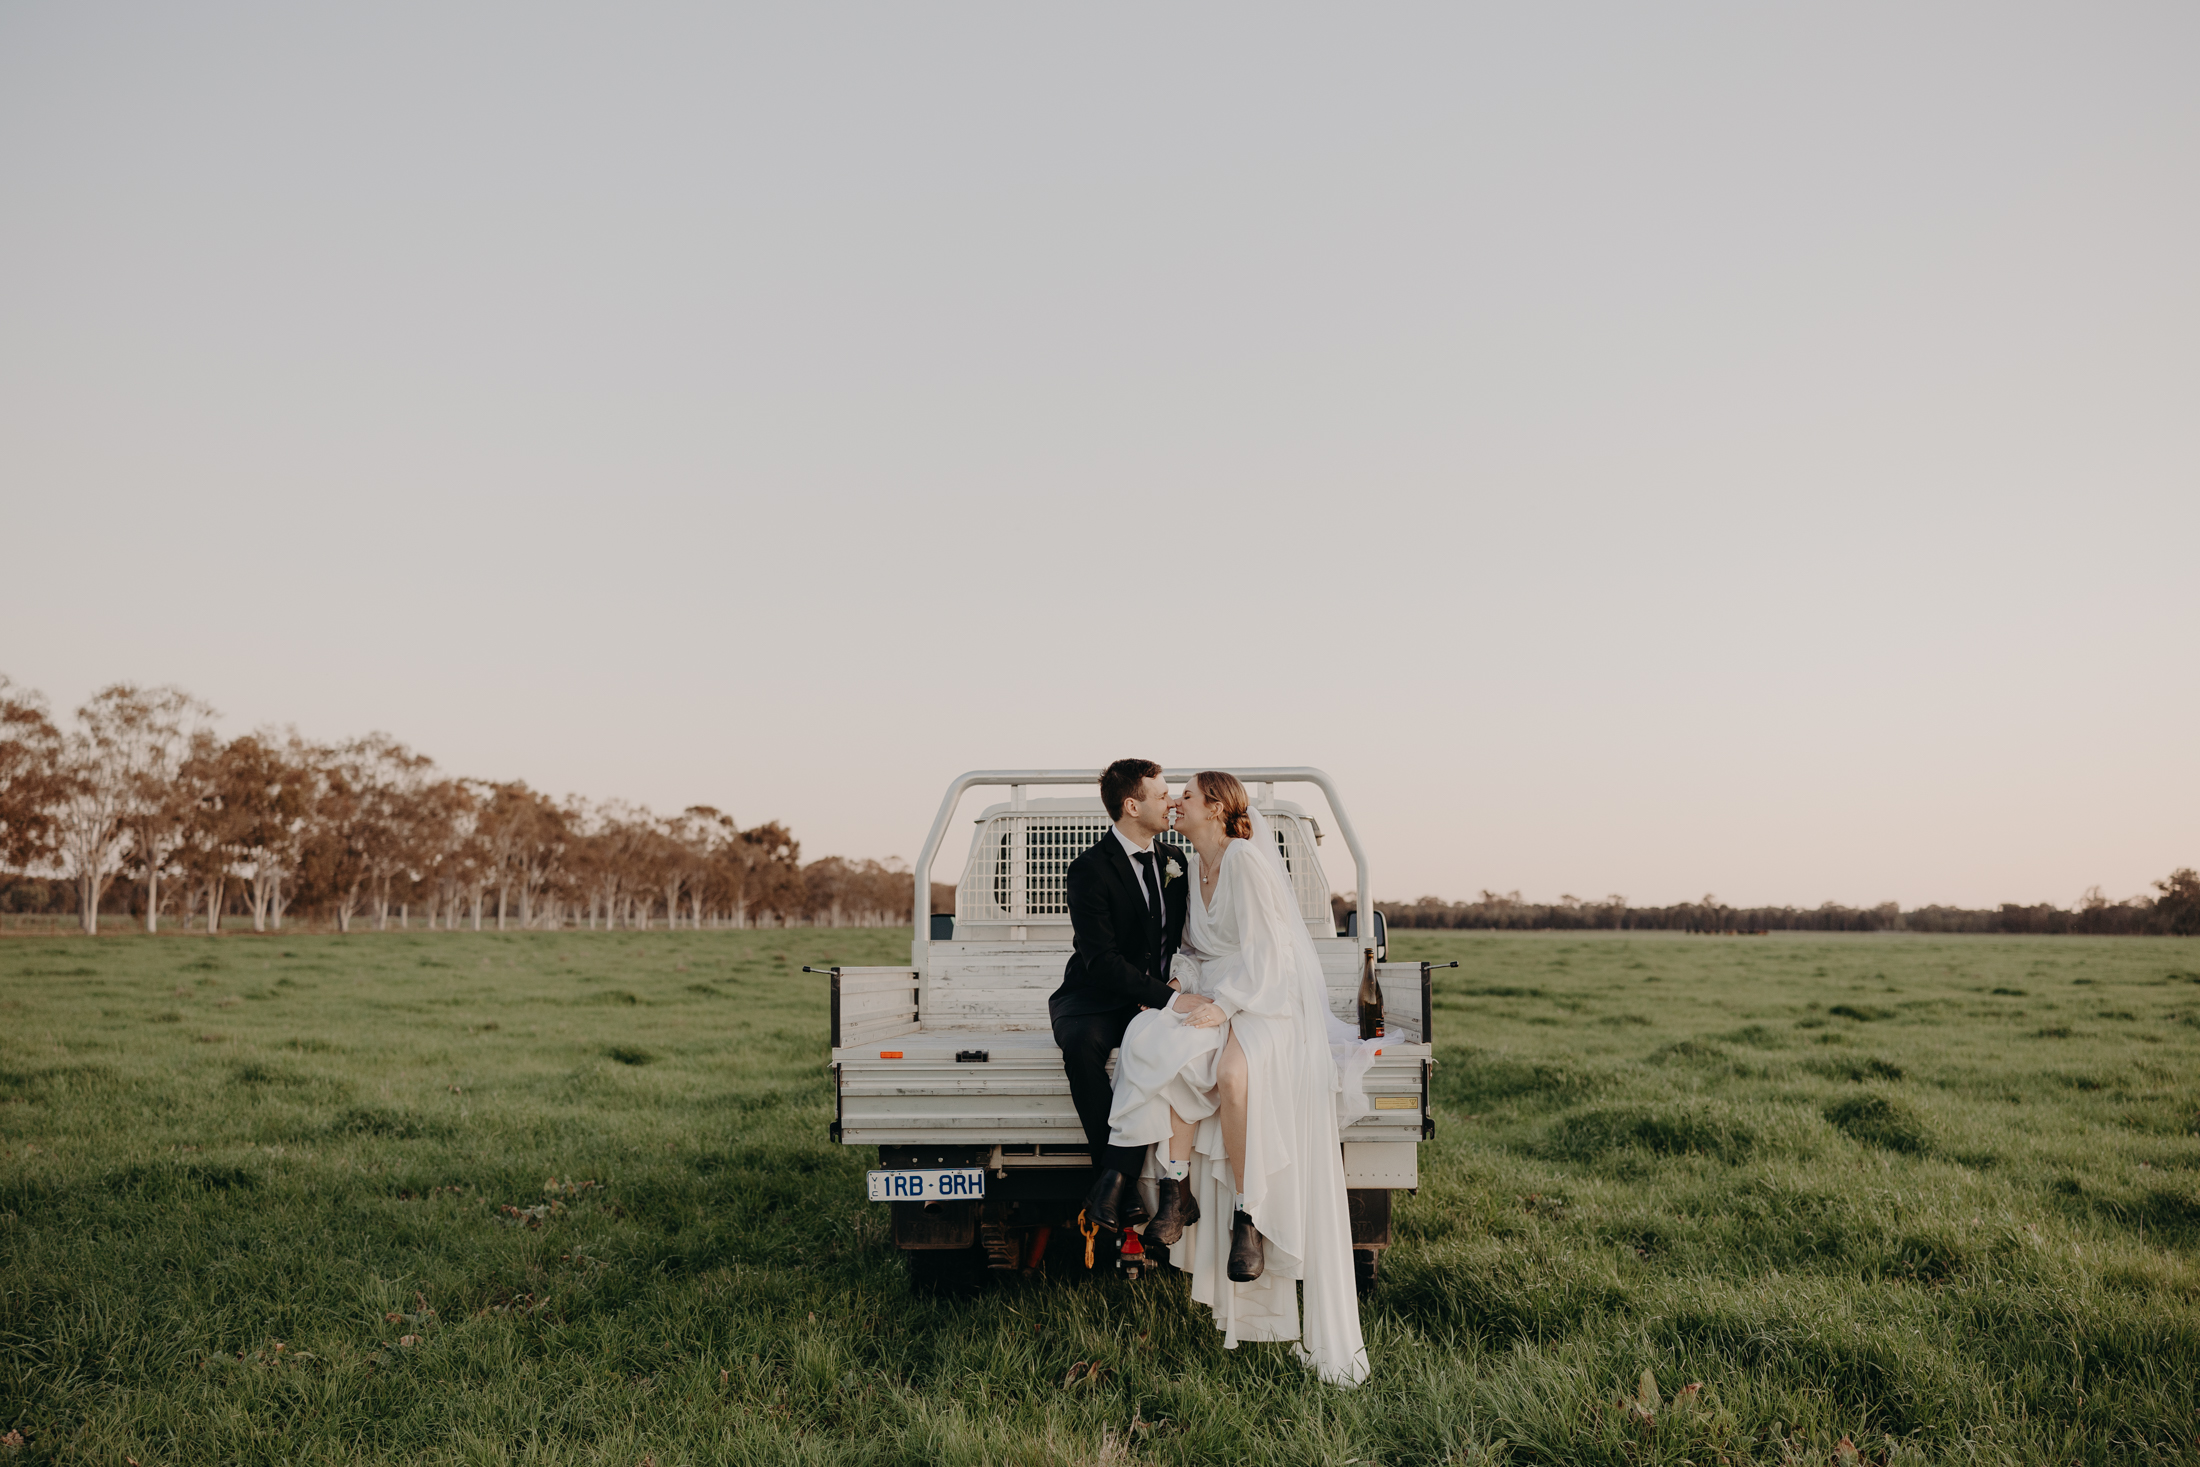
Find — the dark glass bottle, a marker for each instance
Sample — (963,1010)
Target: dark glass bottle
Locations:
(1371,998)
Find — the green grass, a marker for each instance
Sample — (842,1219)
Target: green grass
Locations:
(1940,1196)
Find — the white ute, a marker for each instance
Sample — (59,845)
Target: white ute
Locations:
(948,1066)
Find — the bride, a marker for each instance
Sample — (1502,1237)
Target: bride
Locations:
(1238,1076)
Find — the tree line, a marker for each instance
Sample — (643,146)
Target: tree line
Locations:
(2174,909)
(138,795)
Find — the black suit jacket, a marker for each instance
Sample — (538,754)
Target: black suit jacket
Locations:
(1114,963)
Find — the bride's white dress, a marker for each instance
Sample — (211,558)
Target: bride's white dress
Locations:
(1250,952)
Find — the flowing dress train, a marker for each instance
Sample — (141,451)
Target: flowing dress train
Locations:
(1250,952)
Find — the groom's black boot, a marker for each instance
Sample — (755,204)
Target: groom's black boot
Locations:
(1179,1210)
(1104,1201)
(1115,1201)
(1247,1257)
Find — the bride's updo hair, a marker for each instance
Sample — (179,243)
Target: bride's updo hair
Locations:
(1225,790)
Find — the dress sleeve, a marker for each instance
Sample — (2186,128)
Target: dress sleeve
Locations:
(1260,982)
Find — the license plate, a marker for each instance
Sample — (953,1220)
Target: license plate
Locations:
(943,1186)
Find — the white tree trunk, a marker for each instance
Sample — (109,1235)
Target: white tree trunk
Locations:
(256,899)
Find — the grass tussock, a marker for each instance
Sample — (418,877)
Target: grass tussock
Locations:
(569,1198)
(1879,1119)
(1668,1129)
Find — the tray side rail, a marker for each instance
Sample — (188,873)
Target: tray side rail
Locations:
(872,1004)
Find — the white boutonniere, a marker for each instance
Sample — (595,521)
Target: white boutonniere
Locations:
(1171,872)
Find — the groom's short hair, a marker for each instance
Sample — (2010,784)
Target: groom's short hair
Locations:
(1122,781)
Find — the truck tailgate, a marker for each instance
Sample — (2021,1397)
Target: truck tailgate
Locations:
(912,1090)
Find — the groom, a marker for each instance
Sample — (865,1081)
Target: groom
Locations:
(1126,907)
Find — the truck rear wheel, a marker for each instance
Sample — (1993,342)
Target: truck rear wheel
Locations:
(1370,1211)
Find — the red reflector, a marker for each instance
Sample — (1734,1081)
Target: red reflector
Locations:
(896,1054)
(1378,1051)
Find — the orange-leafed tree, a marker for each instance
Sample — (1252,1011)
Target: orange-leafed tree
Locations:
(266,790)
(32,780)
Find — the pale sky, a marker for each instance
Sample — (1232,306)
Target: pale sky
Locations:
(1645,449)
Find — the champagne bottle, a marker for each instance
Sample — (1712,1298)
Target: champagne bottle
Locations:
(1371,998)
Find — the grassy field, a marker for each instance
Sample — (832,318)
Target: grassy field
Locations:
(552,1198)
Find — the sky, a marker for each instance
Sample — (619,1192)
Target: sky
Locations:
(1732,449)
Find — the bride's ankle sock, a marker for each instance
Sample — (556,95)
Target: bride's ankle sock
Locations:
(1176,1171)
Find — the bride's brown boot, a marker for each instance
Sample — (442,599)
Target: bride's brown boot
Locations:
(1179,1210)
(1247,1257)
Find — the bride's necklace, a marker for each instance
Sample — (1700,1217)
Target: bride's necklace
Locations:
(1210,872)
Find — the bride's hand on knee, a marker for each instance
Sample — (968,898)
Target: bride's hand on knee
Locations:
(1206,1016)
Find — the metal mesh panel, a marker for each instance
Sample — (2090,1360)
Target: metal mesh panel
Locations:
(1048,850)
(1295,840)
(1019,862)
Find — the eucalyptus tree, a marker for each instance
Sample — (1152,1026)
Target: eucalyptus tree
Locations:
(607,848)
(439,836)
(523,837)
(446,854)
(765,863)
(686,858)
(839,892)
(497,825)
(540,854)
(332,860)
(161,722)
(710,832)
(206,851)
(267,793)
(32,779)
(121,760)
(389,783)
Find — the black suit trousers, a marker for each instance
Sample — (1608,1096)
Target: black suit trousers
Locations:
(1086,1041)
